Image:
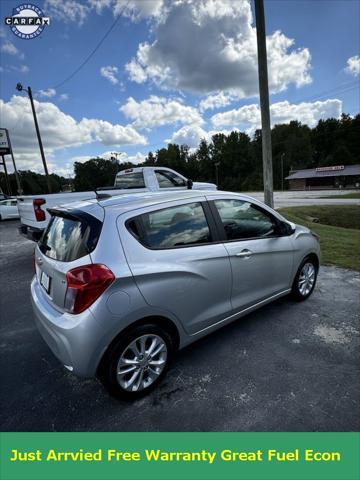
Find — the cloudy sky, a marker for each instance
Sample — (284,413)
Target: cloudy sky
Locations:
(171,71)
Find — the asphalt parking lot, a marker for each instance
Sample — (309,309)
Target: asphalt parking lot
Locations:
(287,367)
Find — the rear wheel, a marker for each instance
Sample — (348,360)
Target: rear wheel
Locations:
(137,362)
(305,279)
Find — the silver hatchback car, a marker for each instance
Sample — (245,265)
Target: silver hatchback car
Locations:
(122,283)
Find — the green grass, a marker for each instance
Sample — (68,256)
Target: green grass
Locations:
(338,228)
(345,195)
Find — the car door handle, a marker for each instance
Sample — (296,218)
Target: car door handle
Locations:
(244,254)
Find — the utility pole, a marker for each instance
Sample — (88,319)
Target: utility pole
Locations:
(3,163)
(264,103)
(282,171)
(217,164)
(18,183)
(19,87)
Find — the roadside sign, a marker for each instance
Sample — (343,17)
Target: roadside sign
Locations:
(5,148)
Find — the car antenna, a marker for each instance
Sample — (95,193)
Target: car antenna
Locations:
(101,196)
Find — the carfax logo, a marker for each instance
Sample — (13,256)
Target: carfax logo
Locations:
(27,21)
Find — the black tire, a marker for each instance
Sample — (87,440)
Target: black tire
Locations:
(108,370)
(296,292)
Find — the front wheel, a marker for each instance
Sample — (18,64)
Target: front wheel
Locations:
(305,279)
(137,362)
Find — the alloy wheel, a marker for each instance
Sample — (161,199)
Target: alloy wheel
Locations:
(306,279)
(142,362)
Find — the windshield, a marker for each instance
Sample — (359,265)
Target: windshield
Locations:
(67,239)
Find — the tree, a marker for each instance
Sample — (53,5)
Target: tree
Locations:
(330,142)
(96,172)
(33,183)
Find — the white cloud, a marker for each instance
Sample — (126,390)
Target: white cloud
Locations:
(133,9)
(189,135)
(353,65)
(246,114)
(15,68)
(58,130)
(77,11)
(212,102)
(67,10)
(248,118)
(22,69)
(64,97)
(136,72)
(206,46)
(136,159)
(9,48)
(110,73)
(109,134)
(125,157)
(308,113)
(157,111)
(50,92)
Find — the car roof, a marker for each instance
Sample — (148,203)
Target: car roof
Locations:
(146,199)
(117,205)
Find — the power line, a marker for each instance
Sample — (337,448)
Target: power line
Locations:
(333,91)
(92,53)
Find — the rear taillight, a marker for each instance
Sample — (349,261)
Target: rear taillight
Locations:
(85,285)
(39,213)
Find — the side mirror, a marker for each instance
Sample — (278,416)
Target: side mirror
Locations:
(189,184)
(286,228)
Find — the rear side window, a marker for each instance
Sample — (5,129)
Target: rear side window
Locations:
(242,220)
(169,179)
(67,239)
(175,227)
(130,180)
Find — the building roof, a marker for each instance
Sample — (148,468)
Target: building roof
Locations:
(337,171)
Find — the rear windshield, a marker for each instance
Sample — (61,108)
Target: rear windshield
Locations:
(130,180)
(67,239)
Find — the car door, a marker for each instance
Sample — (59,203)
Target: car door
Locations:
(177,264)
(6,209)
(14,213)
(261,258)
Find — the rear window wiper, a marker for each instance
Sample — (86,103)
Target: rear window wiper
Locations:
(43,246)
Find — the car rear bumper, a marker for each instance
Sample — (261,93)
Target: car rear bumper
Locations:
(73,339)
(31,233)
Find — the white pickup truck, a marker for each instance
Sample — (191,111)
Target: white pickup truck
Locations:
(33,209)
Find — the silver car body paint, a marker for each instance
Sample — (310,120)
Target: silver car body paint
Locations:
(198,288)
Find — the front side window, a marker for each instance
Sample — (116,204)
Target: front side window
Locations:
(130,180)
(169,179)
(175,227)
(242,220)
